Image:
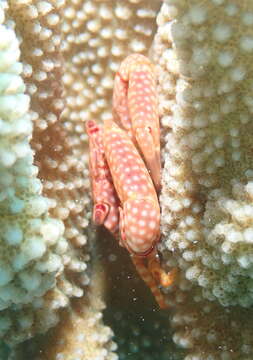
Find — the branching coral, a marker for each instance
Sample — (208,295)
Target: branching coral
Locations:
(204,65)
(32,247)
(207,182)
(207,330)
(80,334)
(37,237)
(63,174)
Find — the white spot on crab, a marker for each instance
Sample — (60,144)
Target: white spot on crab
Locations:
(144,213)
(152,225)
(125,188)
(153,213)
(142,223)
(136,178)
(133,229)
(135,210)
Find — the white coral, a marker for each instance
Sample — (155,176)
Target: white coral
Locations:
(206,105)
(27,232)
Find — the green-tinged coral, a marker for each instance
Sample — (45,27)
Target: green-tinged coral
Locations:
(31,242)
(204,52)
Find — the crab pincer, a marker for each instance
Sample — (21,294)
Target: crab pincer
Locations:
(139,211)
(135,107)
(105,199)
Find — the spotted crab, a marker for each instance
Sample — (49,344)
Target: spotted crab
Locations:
(125,170)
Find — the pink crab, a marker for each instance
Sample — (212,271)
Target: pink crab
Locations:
(125,170)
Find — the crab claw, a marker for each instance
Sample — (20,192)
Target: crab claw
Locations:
(100,213)
(106,202)
(135,109)
(143,105)
(139,226)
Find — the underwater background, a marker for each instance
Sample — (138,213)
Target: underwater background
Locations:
(68,291)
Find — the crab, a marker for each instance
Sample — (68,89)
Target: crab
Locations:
(125,170)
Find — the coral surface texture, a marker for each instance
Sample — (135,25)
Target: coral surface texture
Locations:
(67,290)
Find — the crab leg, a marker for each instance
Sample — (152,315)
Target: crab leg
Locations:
(146,276)
(135,109)
(106,202)
(160,276)
(153,275)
